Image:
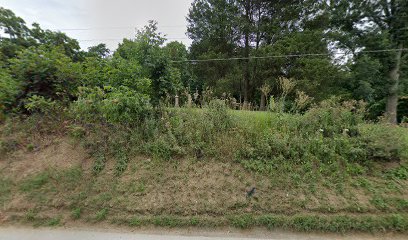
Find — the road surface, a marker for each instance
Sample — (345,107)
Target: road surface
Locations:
(11,233)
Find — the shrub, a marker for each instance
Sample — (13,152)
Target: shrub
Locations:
(114,105)
(45,71)
(9,88)
(40,104)
(217,115)
(333,118)
(164,147)
(399,173)
(330,133)
(382,142)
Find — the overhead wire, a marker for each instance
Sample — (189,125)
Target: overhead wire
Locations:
(286,55)
(120,39)
(116,27)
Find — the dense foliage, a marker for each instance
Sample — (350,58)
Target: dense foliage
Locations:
(159,122)
(323,47)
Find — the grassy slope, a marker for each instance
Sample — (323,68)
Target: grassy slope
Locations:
(54,184)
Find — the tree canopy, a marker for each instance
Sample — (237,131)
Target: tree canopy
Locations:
(350,49)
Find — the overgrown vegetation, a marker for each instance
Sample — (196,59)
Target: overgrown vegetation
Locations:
(325,161)
(318,162)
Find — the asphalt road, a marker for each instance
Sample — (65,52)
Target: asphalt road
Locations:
(10,233)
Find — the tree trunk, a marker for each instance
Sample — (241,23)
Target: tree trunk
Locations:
(246,73)
(392,98)
(247,69)
(263,102)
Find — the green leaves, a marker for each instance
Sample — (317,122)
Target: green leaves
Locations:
(114,105)
(9,89)
(44,72)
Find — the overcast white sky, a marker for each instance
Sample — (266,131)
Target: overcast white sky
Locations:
(107,21)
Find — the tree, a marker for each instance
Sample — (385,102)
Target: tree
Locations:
(99,50)
(373,25)
(213,27)
(44,72)
(9,89)
(52,39)
(257,28)
(177,52)
(17,36)
(147,50)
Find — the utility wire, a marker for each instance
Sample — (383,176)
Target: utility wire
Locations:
(120,39)
(284,56)
(135,27)
(118,27)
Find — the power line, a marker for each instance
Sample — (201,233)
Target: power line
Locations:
(120,39)
(107,28)
(134,27)
(284,56)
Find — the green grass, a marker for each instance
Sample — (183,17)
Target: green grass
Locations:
(34,217)
(307,180)
(5,189)
(34,182)
(53,222)
(76,213)
(303,223)
(101,215)
(135,222)
(256,120)
(405,140)
(30,215)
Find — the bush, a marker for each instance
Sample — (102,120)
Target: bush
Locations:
(383,142)
(191,131)
(218,115)
(45,71)
(112,105)
(40,104)
(333,118)
(329,133)
(9,88)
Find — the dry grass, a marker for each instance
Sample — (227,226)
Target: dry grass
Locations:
(52,181)
(184,187)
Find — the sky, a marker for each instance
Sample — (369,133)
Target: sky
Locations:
(104,21)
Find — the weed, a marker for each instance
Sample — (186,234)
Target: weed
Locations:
(244,221)
(5,190)
(399,173)
(101,215)
(99,163)
(330,223)
(379,203)
(31,215)
(77,132)
(30,147)
(141,188)
(121,162)
(398,203)
(53,222)
(167,221)
(76,213)
(70,178)
(9,145)
(102,199)
(271,221)
(135,222)
(34,182)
